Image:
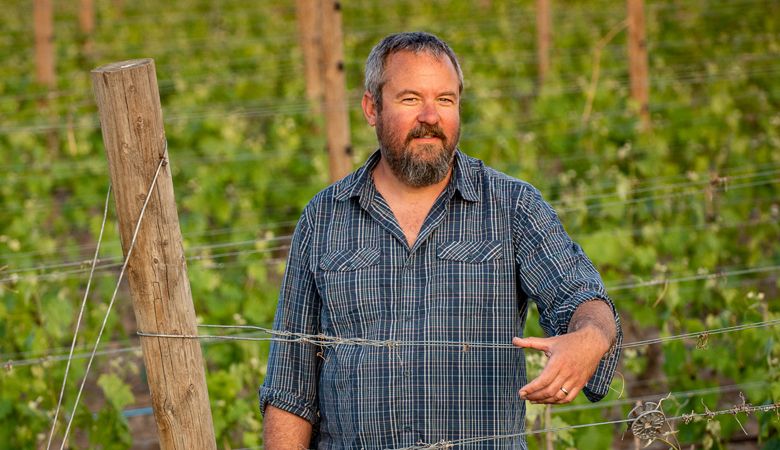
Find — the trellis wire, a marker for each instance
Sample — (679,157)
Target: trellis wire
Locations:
(78,320)
(114,265)
(292,108)
(722,183)
(681,394)
(452,20)
(274,106)
(286,66)
(692,192)
(644,186)
(330,341)
(114,261)
(65,357)
(58,357)
(163,161)
(698,277)
(208,232)
(716,275)
(709,415)
(323,340)
(128,255)
(685,417)
(523,13)
(604,405)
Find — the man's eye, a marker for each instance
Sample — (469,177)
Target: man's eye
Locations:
(447,101)
(409,100)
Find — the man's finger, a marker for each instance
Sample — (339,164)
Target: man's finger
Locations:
(570,396)
(561,394)
(533,390)
(557,397)
(566,392)
(542,344)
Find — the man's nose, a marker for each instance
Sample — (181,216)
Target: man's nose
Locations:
(428,114)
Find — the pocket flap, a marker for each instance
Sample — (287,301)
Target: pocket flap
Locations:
(470,251)
(350,259)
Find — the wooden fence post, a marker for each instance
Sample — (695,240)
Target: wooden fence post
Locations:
(543,39)
(131,119)
(336,109)
(309,15)
(87,24)
(44,42)
(43,26)
(637,55)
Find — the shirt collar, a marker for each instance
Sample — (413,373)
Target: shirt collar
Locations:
(463,179)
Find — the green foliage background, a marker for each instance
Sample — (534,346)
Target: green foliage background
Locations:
(696,195)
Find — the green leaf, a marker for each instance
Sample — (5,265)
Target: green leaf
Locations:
(604,247)
(117,392)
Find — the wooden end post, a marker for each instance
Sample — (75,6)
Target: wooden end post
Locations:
(637,56)
(87,24)
(44,42)
(45,74)
(309,15)
(336,110)
(543,39)
(131,119)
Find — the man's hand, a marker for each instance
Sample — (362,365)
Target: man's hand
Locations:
(573,357)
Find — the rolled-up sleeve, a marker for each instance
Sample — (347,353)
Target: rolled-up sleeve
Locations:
(559,277)
(292,376)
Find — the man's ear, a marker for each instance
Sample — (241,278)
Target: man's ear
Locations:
(369,108)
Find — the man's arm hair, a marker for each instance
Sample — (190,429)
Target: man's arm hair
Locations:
(285,431)
(596,314)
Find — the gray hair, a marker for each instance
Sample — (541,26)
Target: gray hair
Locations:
(417,42)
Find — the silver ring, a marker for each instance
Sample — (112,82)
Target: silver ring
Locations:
(564,390)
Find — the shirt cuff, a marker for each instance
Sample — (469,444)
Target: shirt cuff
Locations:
(288,402)
(598,385)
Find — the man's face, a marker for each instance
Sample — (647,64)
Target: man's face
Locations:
(419,123)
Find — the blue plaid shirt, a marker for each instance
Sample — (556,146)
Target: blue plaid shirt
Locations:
(489,244)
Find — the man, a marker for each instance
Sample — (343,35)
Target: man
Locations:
(429,257)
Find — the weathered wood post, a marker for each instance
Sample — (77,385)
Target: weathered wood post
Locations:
(87,24)
(336,110)
(45,75)
(43,25)
(309,15)
(637,55)
(131,119)
(543,39)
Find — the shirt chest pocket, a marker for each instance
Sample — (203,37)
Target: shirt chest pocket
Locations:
(473,274)
(350,285)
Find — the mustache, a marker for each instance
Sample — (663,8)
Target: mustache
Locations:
(425,129)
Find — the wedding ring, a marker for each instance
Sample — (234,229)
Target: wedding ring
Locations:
(564,390)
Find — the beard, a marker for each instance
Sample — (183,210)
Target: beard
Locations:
(425,166)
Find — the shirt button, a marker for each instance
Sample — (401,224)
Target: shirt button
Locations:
(407,373)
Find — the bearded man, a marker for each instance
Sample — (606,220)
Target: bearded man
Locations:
(416,271)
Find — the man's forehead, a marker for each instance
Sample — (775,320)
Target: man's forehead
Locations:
(408,65)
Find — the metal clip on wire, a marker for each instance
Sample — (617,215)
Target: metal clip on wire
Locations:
(647,421)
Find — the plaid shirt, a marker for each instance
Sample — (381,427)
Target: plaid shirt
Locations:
(489,244)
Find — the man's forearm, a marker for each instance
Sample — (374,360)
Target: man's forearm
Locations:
(598,315)
(285,431)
